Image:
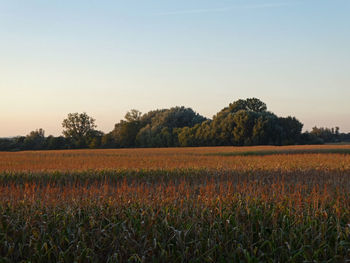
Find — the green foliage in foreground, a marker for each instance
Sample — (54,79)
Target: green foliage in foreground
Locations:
(242,231)
(175,216)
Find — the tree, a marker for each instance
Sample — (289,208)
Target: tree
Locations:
(243,128)
(158,127)
(291,130)
(186,137)
(35,140)
(256,105)
(94,139)
(126,130)
(247,122)
(252,104)
(107,141)
(133,115)
(7,144)
(56,143)
(155,128)
(78,128)
(326,134)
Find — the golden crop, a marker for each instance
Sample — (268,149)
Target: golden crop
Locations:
(173,158)
(236,204)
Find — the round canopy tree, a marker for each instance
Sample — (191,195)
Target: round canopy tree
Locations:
(78,128)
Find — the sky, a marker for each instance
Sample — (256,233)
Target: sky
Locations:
(107,57)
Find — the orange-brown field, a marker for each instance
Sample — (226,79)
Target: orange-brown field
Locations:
(220,204)
(174,158)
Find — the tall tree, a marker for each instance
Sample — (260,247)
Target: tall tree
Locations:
(291,130)
(252,104)
(78,128)
(161,125)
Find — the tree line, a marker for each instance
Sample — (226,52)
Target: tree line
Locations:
(242,123)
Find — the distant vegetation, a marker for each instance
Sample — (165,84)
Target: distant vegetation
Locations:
(242,123)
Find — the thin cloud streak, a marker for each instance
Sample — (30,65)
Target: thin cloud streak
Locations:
(226,9)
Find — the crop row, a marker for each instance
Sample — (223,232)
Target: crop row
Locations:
(191,215)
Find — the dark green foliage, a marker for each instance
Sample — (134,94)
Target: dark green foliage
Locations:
(35,140)
(326,134)
(309,138)
(8,144)
(125,133)
(80,129)
(56,143)
(243,122)
(107,141)
(247,122)
(155,128)
(252,104)
(291,130)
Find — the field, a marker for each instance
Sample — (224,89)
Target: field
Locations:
(219,204)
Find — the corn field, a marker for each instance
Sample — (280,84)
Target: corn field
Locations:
(221,204)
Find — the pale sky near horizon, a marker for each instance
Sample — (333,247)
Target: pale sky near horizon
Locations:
(107,57)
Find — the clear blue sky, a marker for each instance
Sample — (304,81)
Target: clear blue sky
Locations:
(107,57)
